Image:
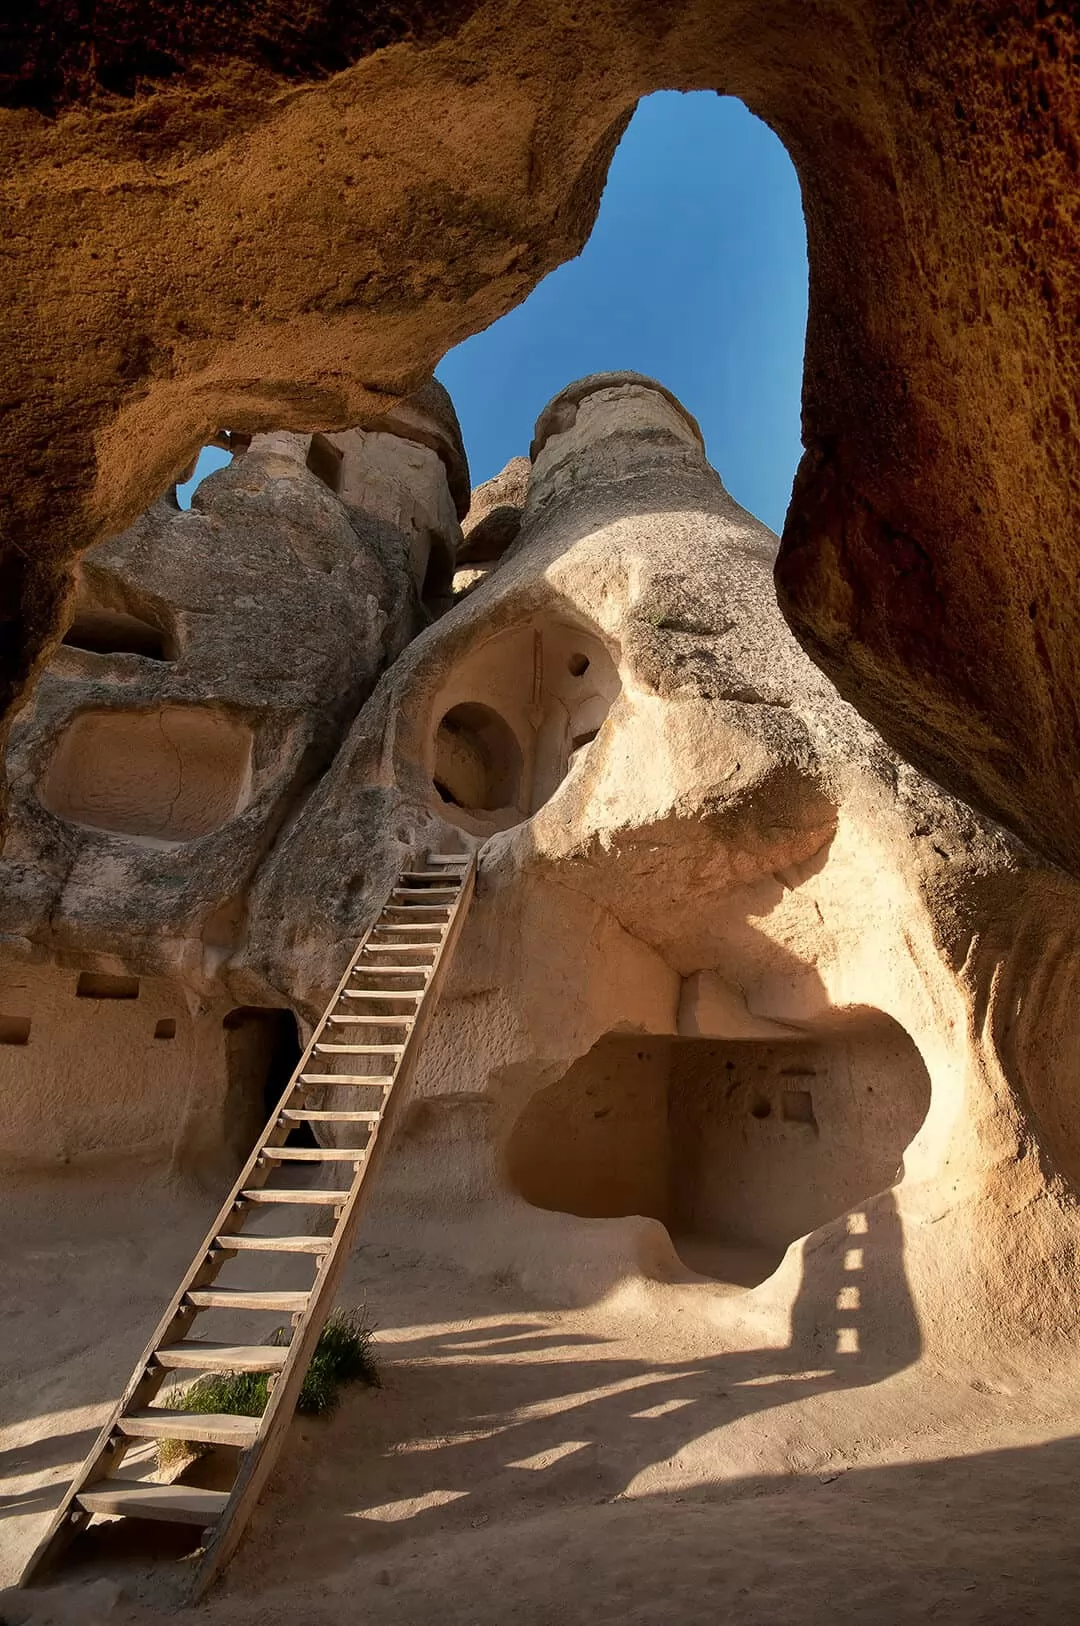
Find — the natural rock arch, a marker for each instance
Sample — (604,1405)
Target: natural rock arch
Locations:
(272,277)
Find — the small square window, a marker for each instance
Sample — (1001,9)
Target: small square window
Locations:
(798,1107)
(100,985)
(14,1030)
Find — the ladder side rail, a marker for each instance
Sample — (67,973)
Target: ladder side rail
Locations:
(260,1460)
(107,1452)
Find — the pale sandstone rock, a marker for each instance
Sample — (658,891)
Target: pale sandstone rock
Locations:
(674,800)
(494,516)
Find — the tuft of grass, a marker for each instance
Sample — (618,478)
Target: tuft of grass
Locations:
(342,1355)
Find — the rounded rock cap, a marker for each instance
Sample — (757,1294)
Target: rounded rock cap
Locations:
(427,416)
(561,410)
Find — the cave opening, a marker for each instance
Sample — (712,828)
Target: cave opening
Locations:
(324,459)
(262,1049)
(737,1147)
(117,632)
(514,718)
(478,763)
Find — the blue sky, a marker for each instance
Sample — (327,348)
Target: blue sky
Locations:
(695,273)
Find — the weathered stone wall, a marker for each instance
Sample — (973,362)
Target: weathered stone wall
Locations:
(216,659)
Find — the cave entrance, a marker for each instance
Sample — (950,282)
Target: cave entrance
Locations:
(738,1147)
(477,760)
(553,683)
(116,632)
(262,1048)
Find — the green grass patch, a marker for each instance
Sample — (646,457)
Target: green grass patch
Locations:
(342,1355)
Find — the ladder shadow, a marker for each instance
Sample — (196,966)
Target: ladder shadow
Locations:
(463,1440)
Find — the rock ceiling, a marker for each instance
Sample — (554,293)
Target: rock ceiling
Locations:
(277,222)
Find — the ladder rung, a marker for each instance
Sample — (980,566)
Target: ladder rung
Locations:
(423,875)
(330,1118)
(168,1504)
(398,948)
(314,1154)
(243,1298)
(208,1357)
(360,1049)
(385,1021)
(207,1428)
(387,971)
(275,1244)
(448,858)
(377,993)
(415,893)
(350,1021)
(382,1079)
(279,1194)
(397,926)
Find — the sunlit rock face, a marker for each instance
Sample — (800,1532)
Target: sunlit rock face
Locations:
(745,1009)
(727,978)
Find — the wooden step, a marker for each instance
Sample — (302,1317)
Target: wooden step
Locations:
(323,1049)
(397,909)
(271,1194)
(205,1428)
(401,942)
(296,1116)
(431,916)
(210,1357)
(398,944)
(423,875)
(360,969)
(167,1504)
(314,1154)
(432,926)
(386,971)
(384,1021)
(407,900)
(244,1298)
(381,1079)
(448,858)
(346,1020)
(377,993)
(397,948)
(241,1243)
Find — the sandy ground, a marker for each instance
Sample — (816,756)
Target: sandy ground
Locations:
(523,1466)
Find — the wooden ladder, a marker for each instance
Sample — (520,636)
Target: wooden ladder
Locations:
(391,987)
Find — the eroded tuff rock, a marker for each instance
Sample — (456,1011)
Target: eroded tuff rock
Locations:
(284,221)
(494,516)
(734,973)
(748,1019)
(214,661)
